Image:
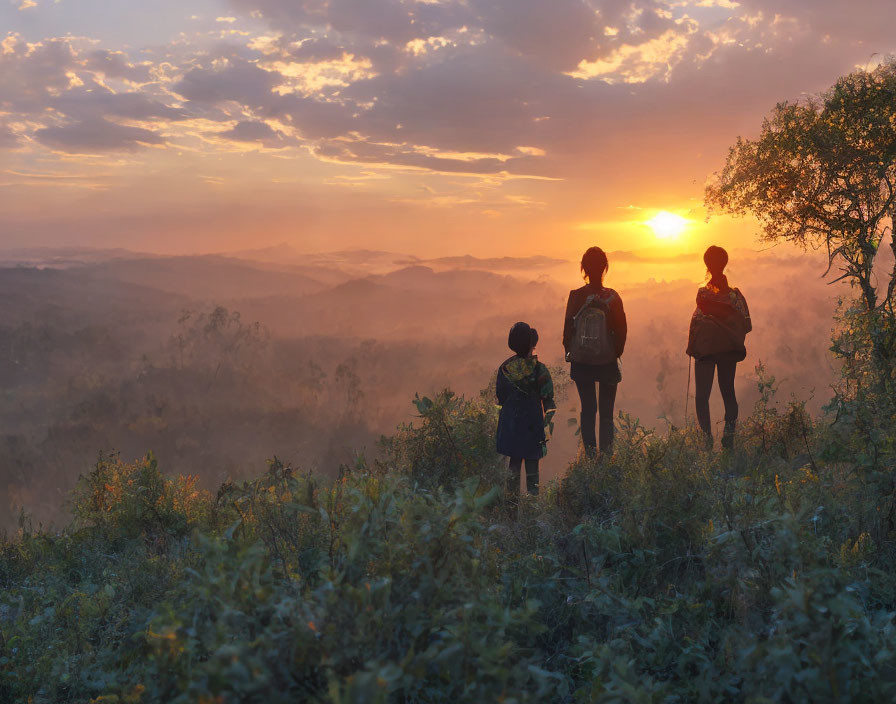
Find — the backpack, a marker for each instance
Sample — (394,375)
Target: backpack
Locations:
(593,341)
(710,335)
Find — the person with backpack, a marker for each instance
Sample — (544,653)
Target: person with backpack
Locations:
(525,393)
(594,333)
(718,329)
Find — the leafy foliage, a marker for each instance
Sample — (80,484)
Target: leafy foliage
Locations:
(822,173)
(664,573)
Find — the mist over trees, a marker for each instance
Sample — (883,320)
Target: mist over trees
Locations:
(127,354)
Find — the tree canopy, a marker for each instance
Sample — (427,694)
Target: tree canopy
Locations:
(822,173)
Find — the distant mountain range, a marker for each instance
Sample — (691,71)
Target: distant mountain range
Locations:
(369,261)
(349,293)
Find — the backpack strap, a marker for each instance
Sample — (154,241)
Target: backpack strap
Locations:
(590,300)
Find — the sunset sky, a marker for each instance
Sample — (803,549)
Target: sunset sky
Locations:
(431,127)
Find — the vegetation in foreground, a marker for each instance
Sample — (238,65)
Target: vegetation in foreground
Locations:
(665,574)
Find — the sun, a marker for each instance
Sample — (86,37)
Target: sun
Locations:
(666,225)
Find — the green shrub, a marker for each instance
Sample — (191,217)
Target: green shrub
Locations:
(662,573)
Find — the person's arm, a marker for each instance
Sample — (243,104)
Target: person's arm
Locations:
(546,392)
(569,325)
(620,324)
(502,388)
(746,311)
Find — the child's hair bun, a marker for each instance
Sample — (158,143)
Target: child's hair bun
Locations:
(522,338)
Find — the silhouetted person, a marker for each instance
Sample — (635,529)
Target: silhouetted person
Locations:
(719,325)
(594,333)
(526,395)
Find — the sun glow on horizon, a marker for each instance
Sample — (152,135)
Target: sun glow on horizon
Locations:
(666,225)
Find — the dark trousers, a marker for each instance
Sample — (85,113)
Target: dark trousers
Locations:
(513,477)
(703,374)
(594,401)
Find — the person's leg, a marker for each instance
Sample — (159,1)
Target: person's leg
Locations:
(726,386)
(588,399)
(532,476)
(703,374)
(513,475)
(607,401)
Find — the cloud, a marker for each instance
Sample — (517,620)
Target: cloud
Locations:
(8,138)
(98,102)
(314,50)
(59,90)
(867,22)
(394,21)
(31,73)
(253,131)
(96,136)
(558,34)
(454,86)
(115,64)
(413,156)
(234,79)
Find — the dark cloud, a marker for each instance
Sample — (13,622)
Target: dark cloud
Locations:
(478,100)
(98,102)
(562,33)
(115,64)
(96,136)
(252,131)
(490,96)
(869,22)
(239,81)
(479,77)
(394,21)
(405,155)
(51,77)
(315,50)
(31,73)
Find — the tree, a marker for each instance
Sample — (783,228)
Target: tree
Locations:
(822,173)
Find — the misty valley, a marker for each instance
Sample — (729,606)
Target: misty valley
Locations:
(219,363)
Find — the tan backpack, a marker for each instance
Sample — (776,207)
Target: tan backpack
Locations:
(710,335)
(593,341)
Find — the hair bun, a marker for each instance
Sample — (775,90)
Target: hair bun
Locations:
(522,338)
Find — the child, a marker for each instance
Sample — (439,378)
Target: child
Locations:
(526,396)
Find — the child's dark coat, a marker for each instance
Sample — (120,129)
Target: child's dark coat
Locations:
(526,394)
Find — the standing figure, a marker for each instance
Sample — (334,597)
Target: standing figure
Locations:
(716,337)
(526,395)
(594,333)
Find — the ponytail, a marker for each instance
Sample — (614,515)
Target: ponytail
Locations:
(716,259)
(720,281)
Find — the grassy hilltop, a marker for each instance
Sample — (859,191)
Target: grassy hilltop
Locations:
(667,573)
